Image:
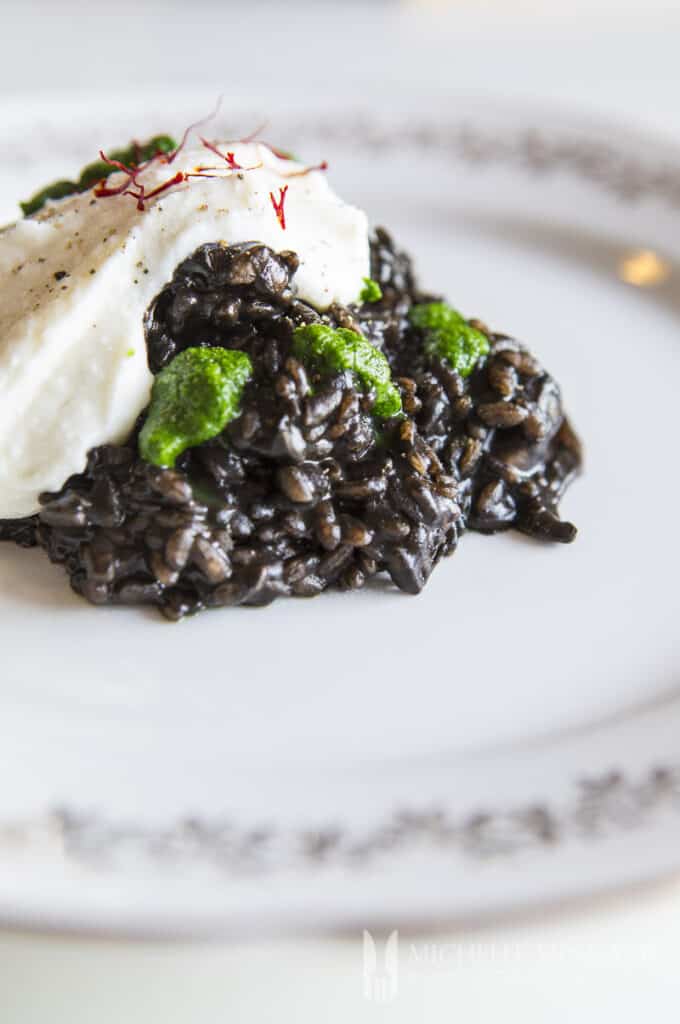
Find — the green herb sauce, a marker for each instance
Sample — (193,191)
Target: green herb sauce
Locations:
(449,336)
(192,400)
(331,349)
(371,292)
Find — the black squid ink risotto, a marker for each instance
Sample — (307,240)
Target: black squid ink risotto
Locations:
(285,445)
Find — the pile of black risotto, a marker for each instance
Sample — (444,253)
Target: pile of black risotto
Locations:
(306,489)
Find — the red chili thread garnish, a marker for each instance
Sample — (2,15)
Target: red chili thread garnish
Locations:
(280,153)
(143,196)
(132,186)
(201,170)
(253,135)
(279,206)
(229,158)
(127,188)
(131,171)
(102,190)
(323,166)
(192,127)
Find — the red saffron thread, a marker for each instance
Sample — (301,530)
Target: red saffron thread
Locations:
(143,196)
(253,135)
(279,206)
(131,171)
(192,127)
(229,158)
(200,172)
(131,186)
(280,153)
(102,190)
(127,188)
(323,166)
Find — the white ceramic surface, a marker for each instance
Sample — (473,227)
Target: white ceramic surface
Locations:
(510,736)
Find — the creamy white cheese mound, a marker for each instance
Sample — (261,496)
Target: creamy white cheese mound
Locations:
(76,279)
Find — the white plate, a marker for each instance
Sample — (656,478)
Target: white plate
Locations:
(507,738)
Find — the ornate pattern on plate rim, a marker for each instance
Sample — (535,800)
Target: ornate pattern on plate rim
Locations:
(599,809)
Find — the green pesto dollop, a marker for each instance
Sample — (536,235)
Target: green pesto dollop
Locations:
(57,190)
(449,336)
(131,156)
(371,292)
(192,400)
(332,349)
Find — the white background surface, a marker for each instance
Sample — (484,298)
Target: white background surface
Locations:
(616,960)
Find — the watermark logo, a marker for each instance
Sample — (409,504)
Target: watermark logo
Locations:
(393,963)
(381,968)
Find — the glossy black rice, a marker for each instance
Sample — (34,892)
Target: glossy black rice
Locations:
(302,491)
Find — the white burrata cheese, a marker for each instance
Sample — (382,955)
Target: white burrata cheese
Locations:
(76,279)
